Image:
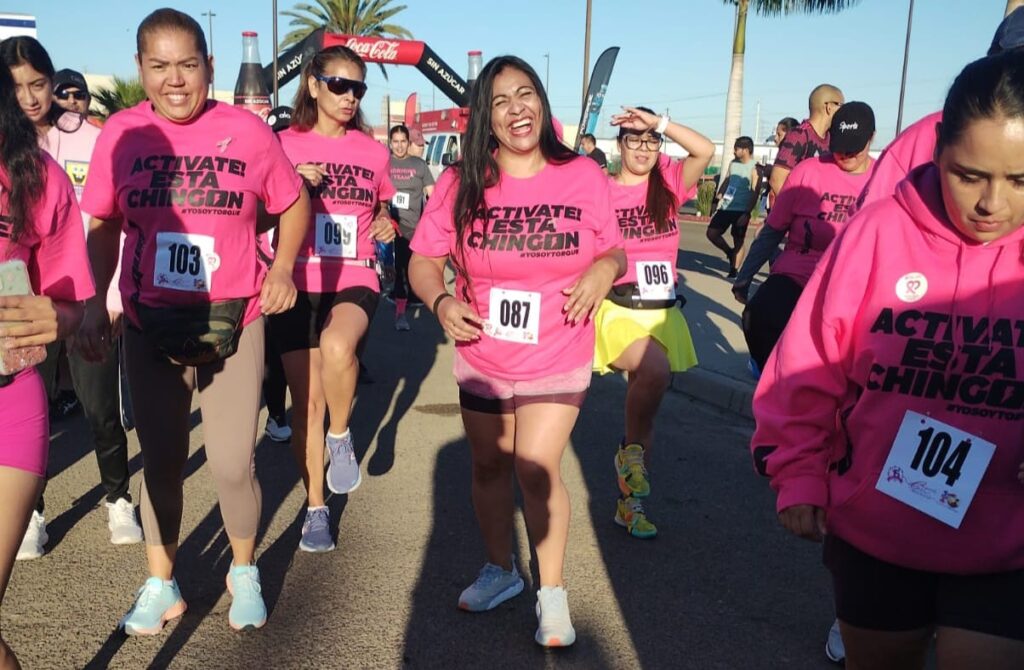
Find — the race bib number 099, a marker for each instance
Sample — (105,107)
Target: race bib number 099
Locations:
(935,468)
(514,316)
(184,262)
(336,235)
(656,280)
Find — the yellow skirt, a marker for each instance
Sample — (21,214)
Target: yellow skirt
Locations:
(618,327)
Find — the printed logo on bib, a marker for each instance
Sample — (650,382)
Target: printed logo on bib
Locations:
(514,316)
(935,468)
(911,287)
(336,235)
(401,200)
(185,262)
(656,280)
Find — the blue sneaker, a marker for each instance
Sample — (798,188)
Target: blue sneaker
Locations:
(316,531)
(248,612)
(493,586)
(156,603)
(343,474)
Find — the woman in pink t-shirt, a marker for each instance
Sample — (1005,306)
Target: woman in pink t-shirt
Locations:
(40,225)
(346,172)
(815,203)
(185,178)
(528,226)
(70,142)
(639,328)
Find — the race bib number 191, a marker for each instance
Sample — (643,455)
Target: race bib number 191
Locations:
(336,235)
(184,262)
(514,316)
(401,200)
(935,468)
(656,280)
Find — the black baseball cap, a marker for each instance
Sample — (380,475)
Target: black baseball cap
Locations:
(1009,34)
(279,118)
(64,78)
(852,128)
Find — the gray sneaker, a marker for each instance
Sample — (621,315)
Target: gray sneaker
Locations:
(316,531)
(493,586)
(343,474)
(835,650)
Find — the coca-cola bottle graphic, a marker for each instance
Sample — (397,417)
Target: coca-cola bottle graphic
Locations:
(250,89)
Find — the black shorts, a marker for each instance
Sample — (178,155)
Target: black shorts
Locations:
(876,595)
(299,328)
(724,219)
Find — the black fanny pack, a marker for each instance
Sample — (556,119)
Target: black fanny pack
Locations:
(5,380)
(194,334)
(628,295)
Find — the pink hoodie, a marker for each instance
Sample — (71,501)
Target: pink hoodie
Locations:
(915,146)
(902,314)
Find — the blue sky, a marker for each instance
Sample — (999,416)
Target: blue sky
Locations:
(675,54)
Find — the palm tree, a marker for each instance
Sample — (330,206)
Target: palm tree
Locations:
(125,93)
(348,17)
(734,100)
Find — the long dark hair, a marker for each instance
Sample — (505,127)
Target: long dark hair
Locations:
(661,201)
(24,50)
(477,168)
(25,178)
(990,87)
(305,112)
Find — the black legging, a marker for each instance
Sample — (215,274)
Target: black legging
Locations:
(402,256)
(767,314)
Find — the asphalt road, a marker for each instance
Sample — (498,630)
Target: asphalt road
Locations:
(721,587)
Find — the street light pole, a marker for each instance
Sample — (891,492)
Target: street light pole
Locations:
(586,56)
(547,72)
(906,58)
(273,50)
(213,78)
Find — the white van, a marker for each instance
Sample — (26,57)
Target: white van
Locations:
(442,150)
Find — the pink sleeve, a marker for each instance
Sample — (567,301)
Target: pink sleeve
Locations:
(672,170)
(608,234)
(100,196)
(806,378)
(781,215)
(60,264)
(280,185)
(435,233)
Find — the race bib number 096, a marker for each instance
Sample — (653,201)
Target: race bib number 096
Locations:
(336,235)
(514,316)
(184,262)
(935,468)
(656,280)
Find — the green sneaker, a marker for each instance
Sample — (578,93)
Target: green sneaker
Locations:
(629,514)
(632,473)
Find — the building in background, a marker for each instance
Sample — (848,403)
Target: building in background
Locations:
(12,25)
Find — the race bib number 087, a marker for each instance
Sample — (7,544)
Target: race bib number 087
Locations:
(184,262)
(514,316)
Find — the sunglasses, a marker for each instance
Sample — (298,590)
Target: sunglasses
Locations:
(341,86)
(81,96)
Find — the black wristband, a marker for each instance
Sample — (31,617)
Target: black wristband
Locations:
(438,299)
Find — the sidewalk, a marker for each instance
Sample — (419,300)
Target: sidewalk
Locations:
(722,378)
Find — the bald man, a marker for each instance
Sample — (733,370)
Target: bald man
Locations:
(808,139)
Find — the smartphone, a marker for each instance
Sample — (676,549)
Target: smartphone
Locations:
(14,281)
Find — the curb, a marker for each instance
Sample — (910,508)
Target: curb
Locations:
(716,389)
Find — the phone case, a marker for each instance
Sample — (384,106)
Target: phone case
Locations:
(14,281)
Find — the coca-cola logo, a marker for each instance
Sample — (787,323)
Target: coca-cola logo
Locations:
(376,50)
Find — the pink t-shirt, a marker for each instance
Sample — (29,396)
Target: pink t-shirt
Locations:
(344,206)
(70,142)
(542,234)
(915,146)
(812,206)
(642,240)
(53,244)
(188,194)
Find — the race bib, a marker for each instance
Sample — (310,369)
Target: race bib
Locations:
(514,316)
(401,200)
(185,262)
(336,235)
(656,280)
(935,468)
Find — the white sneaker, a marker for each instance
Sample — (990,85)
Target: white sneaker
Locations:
(278,432)
(35,538)
(124,529)
(835,650)
(554,627)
